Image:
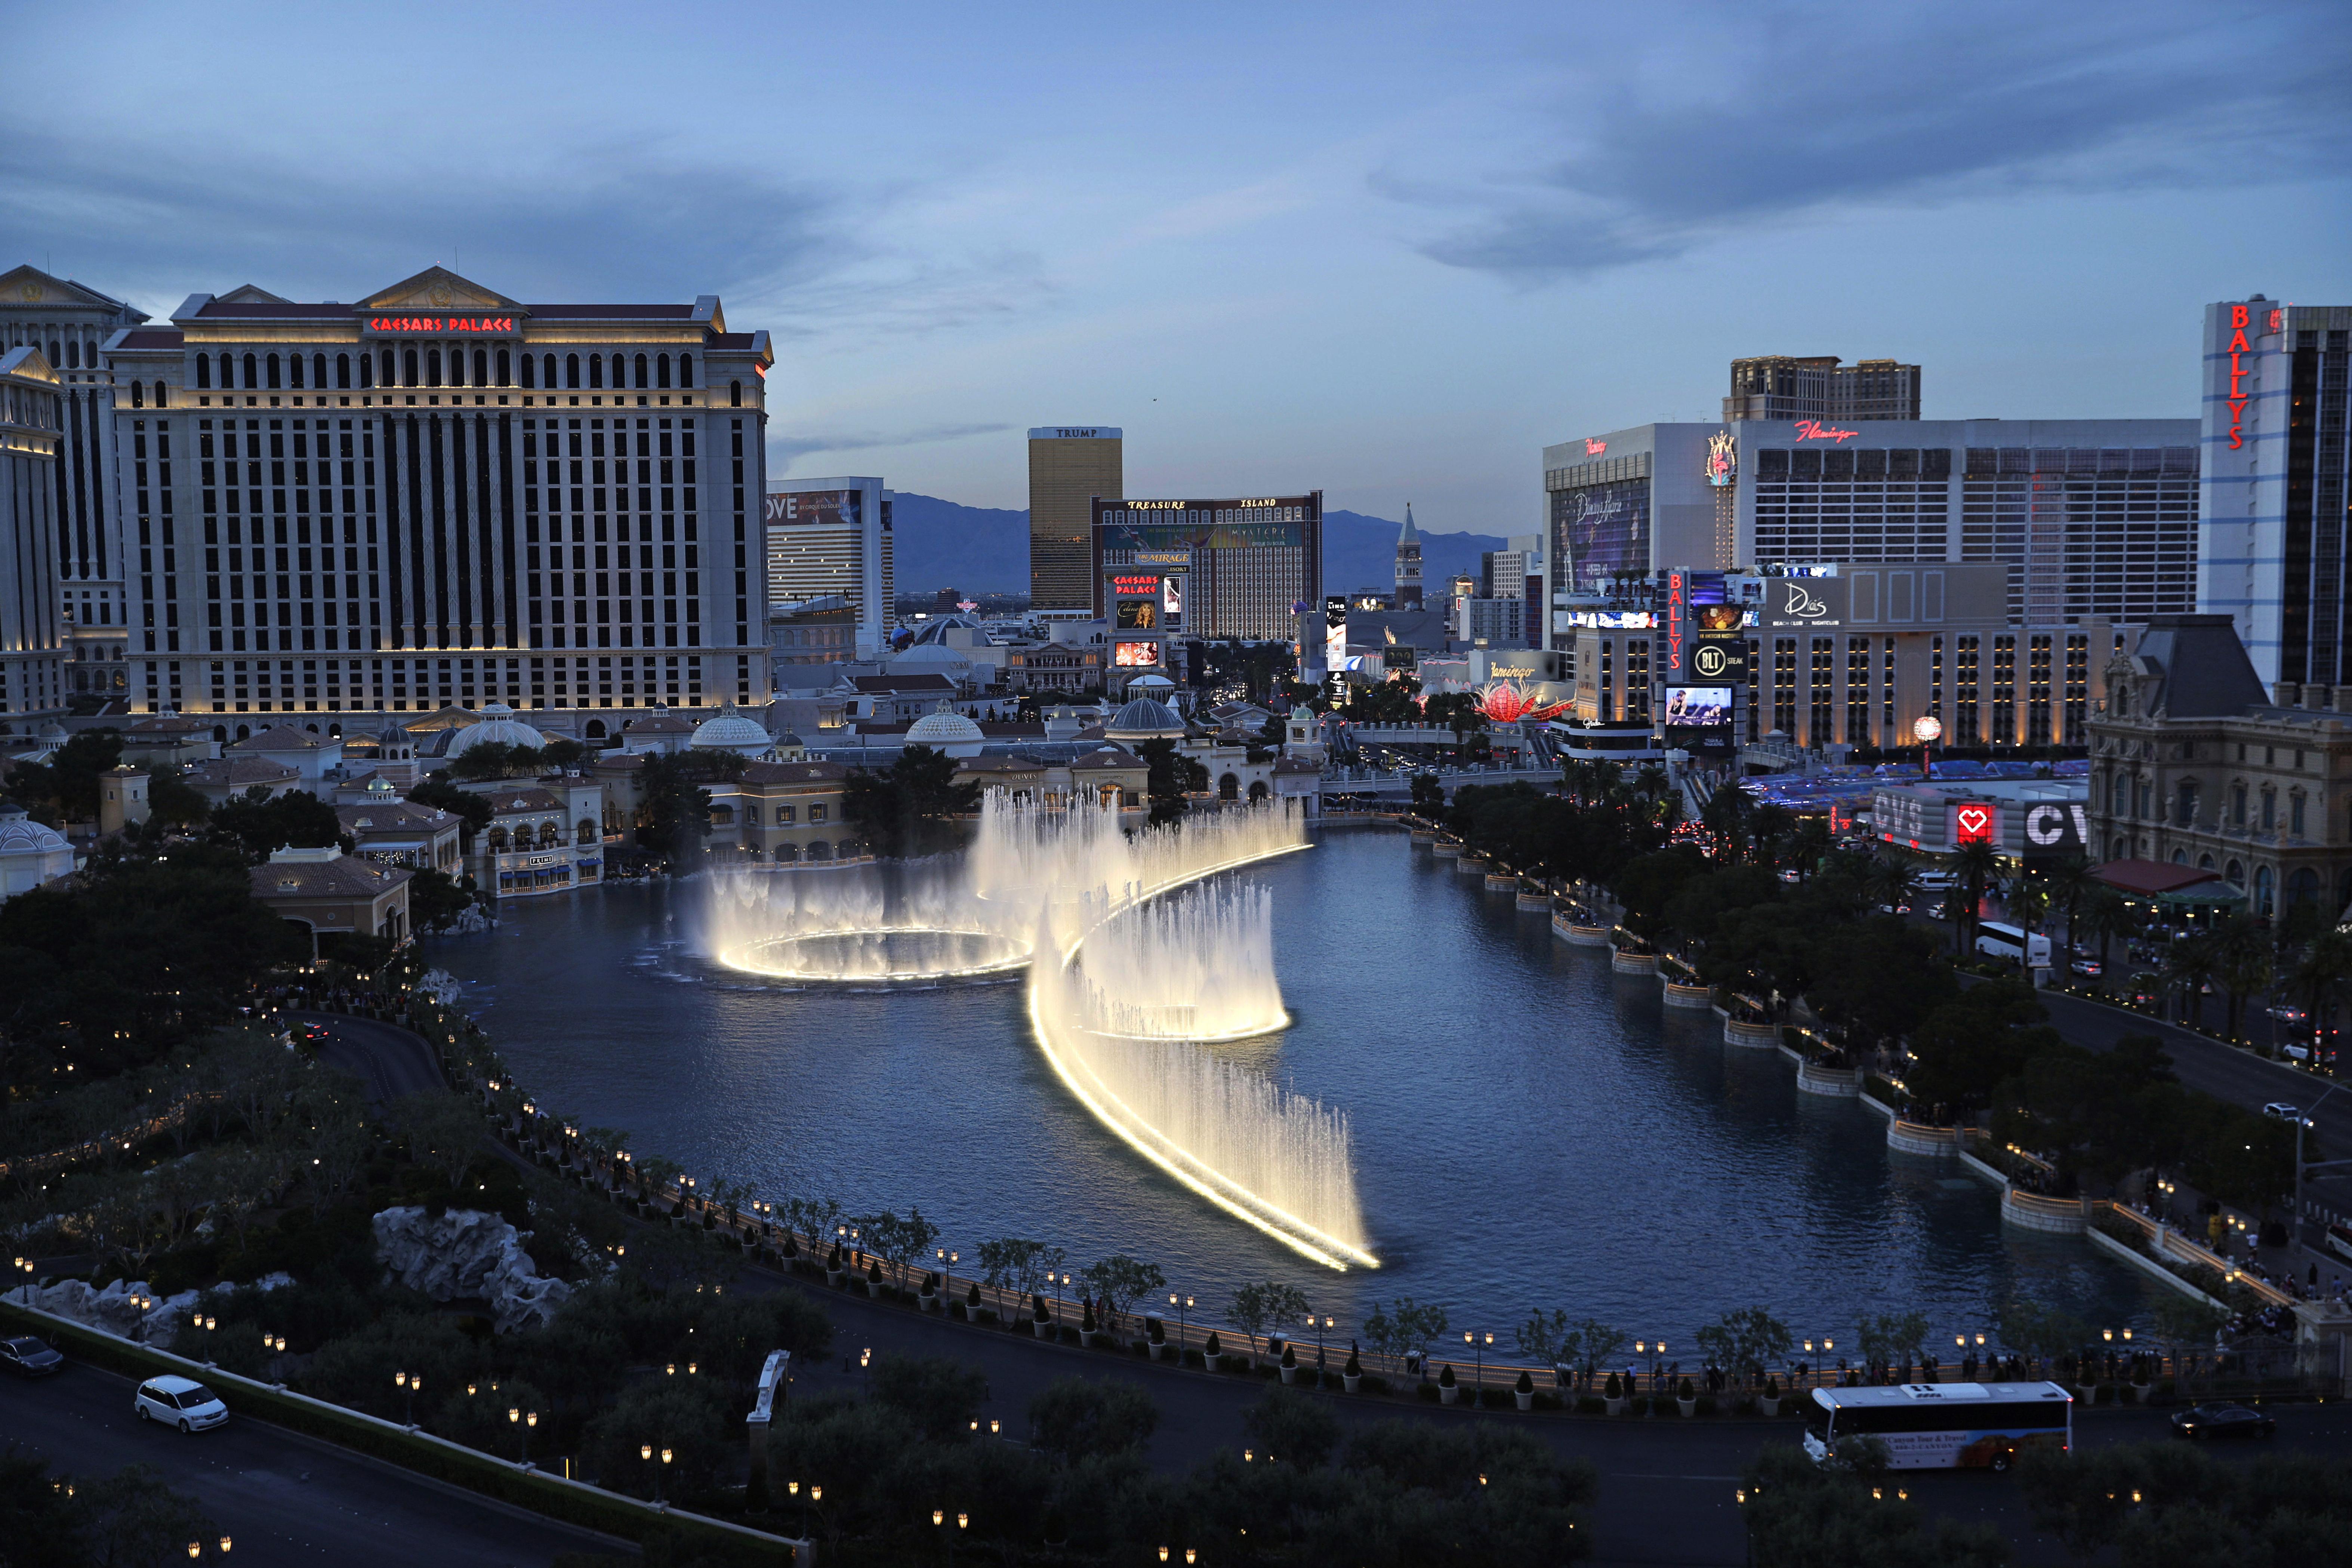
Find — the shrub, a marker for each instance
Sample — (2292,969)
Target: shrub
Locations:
(1614,1389)
(1445,1379)
(1684,1390)
(1215,1349)
(1526,1385)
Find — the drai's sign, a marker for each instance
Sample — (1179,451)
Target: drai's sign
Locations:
(1793,602)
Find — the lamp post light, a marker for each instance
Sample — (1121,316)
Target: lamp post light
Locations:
(401,1380)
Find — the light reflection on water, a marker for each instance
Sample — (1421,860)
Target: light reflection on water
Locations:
(1530,1130)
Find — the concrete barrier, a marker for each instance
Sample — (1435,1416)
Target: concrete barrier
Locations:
(1837,1083)
(1579,936)
(1470,865)
(1911,1138)
(1528,901)
(2148,1266)
(2053,1216)
(1422,835)
(1501,882)
(1676,994)
(1625,963)
(1444,850)
(1750,1036)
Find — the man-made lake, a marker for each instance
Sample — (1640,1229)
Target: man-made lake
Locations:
(1530,1130)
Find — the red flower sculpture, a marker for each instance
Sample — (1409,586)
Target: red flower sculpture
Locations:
(1504,703)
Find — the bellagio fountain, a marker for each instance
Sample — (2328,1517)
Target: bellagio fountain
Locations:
(1141,967)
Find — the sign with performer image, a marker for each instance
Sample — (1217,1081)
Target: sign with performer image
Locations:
(1697,707)
(1135,656)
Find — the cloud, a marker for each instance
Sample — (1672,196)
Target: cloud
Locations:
(615,223)
(1764,117)
(783,450)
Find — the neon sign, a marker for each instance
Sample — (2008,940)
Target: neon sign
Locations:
(1675,604)
(441,326)
(1973,822)
(1593,448)
(1722,459)
(2239,347)
(1814,430)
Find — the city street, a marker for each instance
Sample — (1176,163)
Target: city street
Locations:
(283,1499)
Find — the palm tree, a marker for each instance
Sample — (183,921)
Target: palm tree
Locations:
(1892,883)
(1978,865)
(2109,914)
(2070,883)
(2029,905)
(2243,963)
(1809,842)
(1726,816)
(2323,973)
(2187,966)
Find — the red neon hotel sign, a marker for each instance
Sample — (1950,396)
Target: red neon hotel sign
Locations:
(2239,348)
(1814,430)
(440,326)
(1675,598)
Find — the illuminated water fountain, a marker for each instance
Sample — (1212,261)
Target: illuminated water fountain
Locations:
(1198,966)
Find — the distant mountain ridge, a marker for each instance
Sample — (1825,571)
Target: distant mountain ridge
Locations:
(985,550)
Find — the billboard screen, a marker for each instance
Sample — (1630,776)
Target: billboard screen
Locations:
(1135,656)
(1136,615)
(1335,632)
(803,508)
(1790,603)
(1697,707)
(1718,659)
(1172,603)
(1600,532)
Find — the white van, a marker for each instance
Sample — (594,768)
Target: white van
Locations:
(180,1402)
(1995,939)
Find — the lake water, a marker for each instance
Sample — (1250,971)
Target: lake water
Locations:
(1530,1128)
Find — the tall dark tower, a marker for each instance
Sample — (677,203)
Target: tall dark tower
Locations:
(1408,564)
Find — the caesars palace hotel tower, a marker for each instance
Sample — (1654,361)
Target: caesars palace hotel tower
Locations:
(437,495)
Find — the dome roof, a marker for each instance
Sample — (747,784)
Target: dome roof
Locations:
(730,730)
(1144,720)
(20,834)
(935,631)
(499,727)
(943,728)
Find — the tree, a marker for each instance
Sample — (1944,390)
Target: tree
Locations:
(1428,797)
(2068,884)
(445,1133)
(472,811)
(1800,1514)
(1973,1043)
(1891,1334)
(674,810)
(940,1398)
(905,810)
(2108,915)
(1073,1417)
(1170,778)
(1405,1328)
(1976,864)
(133,1520)
(1292,1430)
(436,899)
(495,760)
(173,801)
(2243,963)
(42,1525)
(1746,1342)
(259,824)
(2323,973)
(1119,1281)
(2190,966)
(66,788)
(1877,980)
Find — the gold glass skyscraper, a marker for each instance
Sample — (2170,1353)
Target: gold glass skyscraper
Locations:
(1070,465)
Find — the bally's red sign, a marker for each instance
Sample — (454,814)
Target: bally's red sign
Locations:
(1975,822)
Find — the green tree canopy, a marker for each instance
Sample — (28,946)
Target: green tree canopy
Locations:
(907,809)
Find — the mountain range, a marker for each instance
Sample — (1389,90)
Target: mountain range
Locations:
(982,550)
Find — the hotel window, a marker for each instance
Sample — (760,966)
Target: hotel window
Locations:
(2004,691)
(1965,692)
(2295,814)
(571,369)
(2037,691)
(2078,689)
(1820,728)
(786,814)
(1857,692)
(1887,719)
(1784,686)
(816,813)
(685,369)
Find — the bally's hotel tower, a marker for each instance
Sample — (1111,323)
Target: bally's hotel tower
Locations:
(439,495)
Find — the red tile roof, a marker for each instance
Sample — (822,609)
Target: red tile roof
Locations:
(2147,877)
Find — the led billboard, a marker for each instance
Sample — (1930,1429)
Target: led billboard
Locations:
(1697,707)
(1135,656)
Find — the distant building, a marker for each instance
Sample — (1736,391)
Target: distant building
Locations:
(30,853)
(1779,386)
(70,322)
(831,538)
(335,894)
(1236,567)
(784,813)
(2277,550)
(2193,765)
(1408,564)
(1070,465)
(810,632)
(398,832)
(32,620)
(545,836)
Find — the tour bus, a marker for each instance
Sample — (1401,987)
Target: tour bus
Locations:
(1995,939)
(1944,1425)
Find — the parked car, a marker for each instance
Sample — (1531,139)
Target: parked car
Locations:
(2084,964)
(2210,1421)
(180,1402)
(28,1357)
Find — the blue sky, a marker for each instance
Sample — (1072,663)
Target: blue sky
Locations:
(1385,251)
